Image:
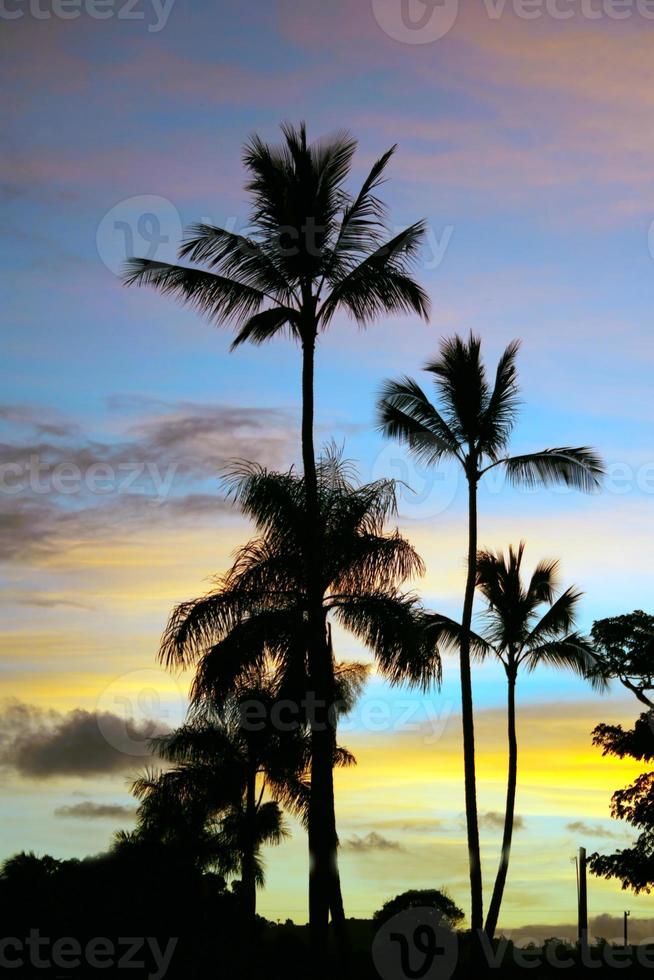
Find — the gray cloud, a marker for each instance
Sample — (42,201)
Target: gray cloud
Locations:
(592,830)
(38,528)
(408,825)
(96,811)
(42,423)
(55,483)
(493,820)
(370,842)
(41,744)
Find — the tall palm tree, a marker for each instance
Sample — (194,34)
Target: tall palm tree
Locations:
(522,638)
(258,612)
(314,250)
(472,425)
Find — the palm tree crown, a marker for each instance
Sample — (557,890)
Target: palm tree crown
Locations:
(475,420)
(258,612)
(313,249)
(515,631)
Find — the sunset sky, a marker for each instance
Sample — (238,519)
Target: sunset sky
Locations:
(527,145)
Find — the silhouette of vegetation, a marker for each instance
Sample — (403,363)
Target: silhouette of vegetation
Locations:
(421,898)
(259,611)
(314,250)
(521,636)
(471,425)
(221,773)
(137,889)
(624,649)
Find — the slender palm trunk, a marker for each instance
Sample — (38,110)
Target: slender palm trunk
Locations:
(500,880)
(324,882)
(248,870)
(472,822)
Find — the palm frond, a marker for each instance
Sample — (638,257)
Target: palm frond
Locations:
(447,634)
(267,324)
(362,221)
(195,625)
(573,652)
(460,379)
(578,467)
(499,416)
(392,626)
(236,256)
(558,619)
(543,582)
(267,635)
(381,283)
(405,413)
(219,298)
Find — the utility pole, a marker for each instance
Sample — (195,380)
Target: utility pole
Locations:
(582,901)
(626,930)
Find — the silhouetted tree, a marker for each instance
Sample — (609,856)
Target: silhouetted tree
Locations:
(632,866)
(521,636)
(472,425)
(259,611)
(216,797)
(431,898)
(314,250)
(624,651)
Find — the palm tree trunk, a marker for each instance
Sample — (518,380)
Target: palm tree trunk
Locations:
(324,882)
(472,822)
(248,871)
(500,880)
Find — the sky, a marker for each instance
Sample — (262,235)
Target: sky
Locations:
(524,137)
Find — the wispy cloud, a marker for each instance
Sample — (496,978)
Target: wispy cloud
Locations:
(584,829)
(370,842)
(494,820)
(87,810)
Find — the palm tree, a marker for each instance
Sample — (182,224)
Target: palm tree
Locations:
(472,426)
(520,637)
(259,611)
(314,250)
(220,800)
